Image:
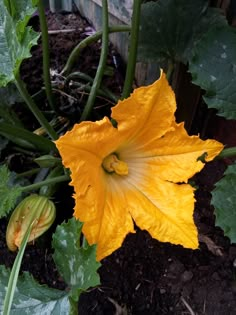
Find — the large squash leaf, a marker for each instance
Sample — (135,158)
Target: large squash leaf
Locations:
(169,29)
(213,68)
(190,31)
(77,264)
(224,201)
(33,298)
(16,38)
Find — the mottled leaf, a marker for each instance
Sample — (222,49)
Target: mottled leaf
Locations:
(77,264)
(224,202)
(213,68)
(33,298)
(8,194)
(16,38)
(169,29)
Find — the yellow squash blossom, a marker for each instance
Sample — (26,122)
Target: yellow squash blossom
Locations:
(136,171)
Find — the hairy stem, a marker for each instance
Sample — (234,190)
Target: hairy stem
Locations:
(130,70)
(45,46)
(102,63)
(86,42)
(34,109)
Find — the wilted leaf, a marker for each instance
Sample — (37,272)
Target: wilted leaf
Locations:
(8,194)
(170,29)
(77,264)
(33,298)
(224,202)
(213,68)
(16,39)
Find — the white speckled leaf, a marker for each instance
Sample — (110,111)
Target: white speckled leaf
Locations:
(224,202)
(16,39)
(77,264)
(33,298)
(213,68)
(169,29)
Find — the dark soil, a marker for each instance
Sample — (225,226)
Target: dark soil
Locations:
(144,276)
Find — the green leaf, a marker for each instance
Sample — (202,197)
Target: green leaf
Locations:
(33,298)
(8,194)
(3,144)
(170,29)
(224,202)
(16,39)
(189,31)
(76,264)
(9,95)
(213,68)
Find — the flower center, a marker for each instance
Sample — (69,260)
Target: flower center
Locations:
(111,164)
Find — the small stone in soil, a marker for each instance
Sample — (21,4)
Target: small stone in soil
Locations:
(186,276)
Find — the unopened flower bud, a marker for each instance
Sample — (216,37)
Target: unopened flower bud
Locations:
(34,209)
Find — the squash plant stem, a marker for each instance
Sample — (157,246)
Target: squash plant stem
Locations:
(34,109)
(226,153)
(130,70)
(11,286)
(88,41)
(102,63)
(46,182)
(45,47)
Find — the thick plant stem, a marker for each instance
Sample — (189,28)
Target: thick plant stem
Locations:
(25,138)
(227,153)
(130,70)
(34,109)
(45,46)
(102,62)
(88,41)
(15,272)
(46,182)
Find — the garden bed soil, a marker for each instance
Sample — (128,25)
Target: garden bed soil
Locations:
(144,276)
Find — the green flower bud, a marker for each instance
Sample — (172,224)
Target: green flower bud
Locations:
(48,161)
(34,209)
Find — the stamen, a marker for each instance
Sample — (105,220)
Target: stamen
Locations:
(111,164)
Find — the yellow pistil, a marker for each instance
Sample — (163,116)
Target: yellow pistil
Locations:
(111,164)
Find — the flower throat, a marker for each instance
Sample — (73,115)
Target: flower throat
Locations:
(111,164)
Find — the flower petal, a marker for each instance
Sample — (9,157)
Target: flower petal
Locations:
(148,113)
(83,148)
(175,156)
(98,138)
(162,208)
(106,219)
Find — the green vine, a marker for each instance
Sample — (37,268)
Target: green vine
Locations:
(88,41)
